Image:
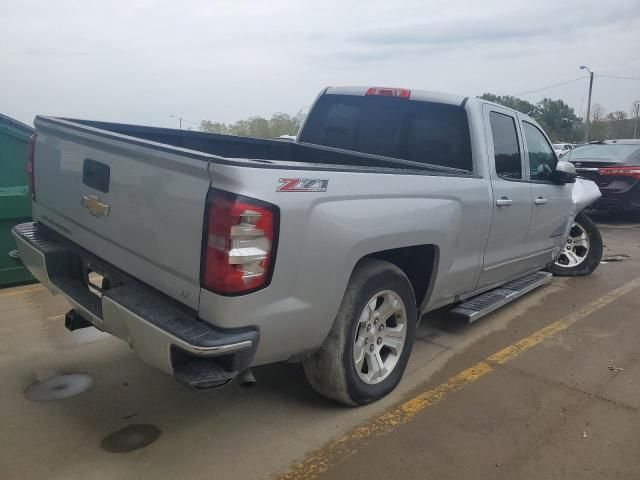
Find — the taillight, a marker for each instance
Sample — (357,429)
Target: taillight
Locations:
(633,172)
(240,243)
(388,92)
(30,161)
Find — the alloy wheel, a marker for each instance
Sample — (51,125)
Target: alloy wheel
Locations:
(576,248)
(381,334)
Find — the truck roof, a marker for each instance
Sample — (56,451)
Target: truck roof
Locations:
(419,95)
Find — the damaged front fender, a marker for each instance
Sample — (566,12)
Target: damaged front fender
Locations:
(583,194)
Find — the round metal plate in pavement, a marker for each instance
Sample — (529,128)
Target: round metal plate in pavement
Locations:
(59,387)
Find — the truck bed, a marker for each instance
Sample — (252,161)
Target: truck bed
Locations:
(146,178)
(265,151)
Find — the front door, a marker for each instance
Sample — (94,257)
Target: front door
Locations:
(551,202)
(507,252)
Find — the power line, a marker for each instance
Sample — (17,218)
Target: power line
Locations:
(618,76)
(550,86)
(621,77)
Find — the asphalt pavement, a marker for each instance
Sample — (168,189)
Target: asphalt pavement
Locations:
(546,387)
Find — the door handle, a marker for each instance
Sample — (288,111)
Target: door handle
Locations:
(541,201)
(504,202)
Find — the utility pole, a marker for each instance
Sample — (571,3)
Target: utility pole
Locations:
(179,119)
(588,124)
(635,127)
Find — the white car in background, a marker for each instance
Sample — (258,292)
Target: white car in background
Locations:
(562,148)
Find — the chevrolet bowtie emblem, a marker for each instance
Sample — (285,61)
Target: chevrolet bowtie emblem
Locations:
(95,206)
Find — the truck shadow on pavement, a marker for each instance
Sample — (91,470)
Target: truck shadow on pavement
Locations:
(131,406)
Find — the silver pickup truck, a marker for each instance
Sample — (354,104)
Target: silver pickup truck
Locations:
(210,254)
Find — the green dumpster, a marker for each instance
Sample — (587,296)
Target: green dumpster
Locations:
(15,201)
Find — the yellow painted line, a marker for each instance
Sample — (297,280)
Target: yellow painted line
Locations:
(335,451)
(21,291)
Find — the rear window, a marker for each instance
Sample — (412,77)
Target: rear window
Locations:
(425,132)
(603,152)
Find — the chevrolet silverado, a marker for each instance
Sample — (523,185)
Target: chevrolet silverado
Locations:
(210,254)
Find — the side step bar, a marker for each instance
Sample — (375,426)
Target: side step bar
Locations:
(477,307)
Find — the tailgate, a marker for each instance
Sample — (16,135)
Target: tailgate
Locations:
(136,204)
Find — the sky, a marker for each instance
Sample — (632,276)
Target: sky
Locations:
(141,61)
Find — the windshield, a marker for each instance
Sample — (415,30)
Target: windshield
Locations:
(603,152)
(425,132)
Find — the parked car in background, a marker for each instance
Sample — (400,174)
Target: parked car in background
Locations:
(615,167)
(562,148)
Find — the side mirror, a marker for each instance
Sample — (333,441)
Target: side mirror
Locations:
(565,173)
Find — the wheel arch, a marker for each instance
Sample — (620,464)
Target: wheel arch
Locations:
(418,262)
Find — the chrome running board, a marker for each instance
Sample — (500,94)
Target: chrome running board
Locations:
(477,307)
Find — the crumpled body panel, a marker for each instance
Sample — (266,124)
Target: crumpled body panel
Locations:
(584,193)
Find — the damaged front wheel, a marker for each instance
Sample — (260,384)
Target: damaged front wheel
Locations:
(582,251)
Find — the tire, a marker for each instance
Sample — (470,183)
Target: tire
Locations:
(332,370)
(576,259)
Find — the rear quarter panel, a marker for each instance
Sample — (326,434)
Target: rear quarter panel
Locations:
(324,234)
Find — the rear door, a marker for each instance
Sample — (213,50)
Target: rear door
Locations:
(507,252)
(551,202)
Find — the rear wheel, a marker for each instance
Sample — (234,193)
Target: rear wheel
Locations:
(365,354)
(582,251)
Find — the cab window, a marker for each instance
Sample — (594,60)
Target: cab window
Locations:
(506,146)
(542,159)
(425,132)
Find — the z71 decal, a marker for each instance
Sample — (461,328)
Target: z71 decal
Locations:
(302,185)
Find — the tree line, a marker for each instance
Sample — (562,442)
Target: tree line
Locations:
(256,126)
(557,118)
(562,124)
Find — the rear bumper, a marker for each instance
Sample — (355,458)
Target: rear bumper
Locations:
(618,202)
(162,332)
(618,193)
